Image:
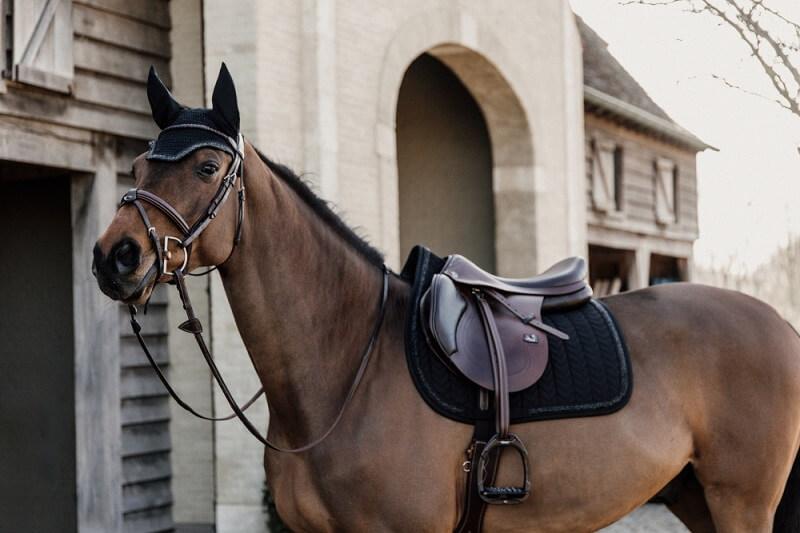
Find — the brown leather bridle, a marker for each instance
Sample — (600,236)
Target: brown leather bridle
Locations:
(190,233)
(192,324)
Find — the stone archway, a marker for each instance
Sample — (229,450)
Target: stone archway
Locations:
(472,53)
(444,166)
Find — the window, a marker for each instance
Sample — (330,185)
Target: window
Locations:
(37,43)
(666,189)
(618,186)
(606,176)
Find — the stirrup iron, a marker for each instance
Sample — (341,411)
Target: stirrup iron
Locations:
(503,495)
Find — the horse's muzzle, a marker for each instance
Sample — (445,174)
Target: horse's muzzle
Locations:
(116,273)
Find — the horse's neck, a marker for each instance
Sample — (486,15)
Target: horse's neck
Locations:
(305,303)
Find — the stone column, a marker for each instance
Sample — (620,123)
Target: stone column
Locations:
(319,94)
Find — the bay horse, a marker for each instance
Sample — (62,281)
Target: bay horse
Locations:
(712,426)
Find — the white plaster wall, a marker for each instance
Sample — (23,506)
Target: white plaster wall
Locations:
(315,93)
(239,456)
(317,84)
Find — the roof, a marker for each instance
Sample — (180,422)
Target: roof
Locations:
(610,90)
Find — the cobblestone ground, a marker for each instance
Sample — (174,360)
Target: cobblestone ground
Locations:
(647,519)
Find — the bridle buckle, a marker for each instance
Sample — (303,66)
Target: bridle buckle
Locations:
(166,255)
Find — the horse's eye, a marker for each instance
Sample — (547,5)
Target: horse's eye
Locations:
(208,169)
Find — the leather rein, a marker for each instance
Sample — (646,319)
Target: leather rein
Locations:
(192,324)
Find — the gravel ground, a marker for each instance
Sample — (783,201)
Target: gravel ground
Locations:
(649,518)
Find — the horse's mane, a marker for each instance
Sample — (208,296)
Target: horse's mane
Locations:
(324,210)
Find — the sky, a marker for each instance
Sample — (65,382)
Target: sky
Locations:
(749,191)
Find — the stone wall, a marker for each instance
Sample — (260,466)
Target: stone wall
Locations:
(317,84)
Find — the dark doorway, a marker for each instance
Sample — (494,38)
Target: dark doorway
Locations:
(444,162)
(609,270)
(666,269)
(37,410)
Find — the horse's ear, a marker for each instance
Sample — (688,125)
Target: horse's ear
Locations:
(164,107)
(224,98)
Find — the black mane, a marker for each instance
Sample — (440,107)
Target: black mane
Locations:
(323,210)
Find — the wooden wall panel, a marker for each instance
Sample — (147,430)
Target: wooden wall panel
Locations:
(114,42)
(120,31)
(154,12)
(639,155)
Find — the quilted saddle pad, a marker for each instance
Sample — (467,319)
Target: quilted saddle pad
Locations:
(587,375)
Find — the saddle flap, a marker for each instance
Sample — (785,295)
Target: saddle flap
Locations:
(454,329)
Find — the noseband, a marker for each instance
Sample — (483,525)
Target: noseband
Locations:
(192,324)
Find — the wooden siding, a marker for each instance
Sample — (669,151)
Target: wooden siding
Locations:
(114,43)
(638,212)
(144,404)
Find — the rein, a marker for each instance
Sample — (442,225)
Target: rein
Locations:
(192,324)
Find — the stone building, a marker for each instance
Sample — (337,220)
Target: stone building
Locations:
(452,123)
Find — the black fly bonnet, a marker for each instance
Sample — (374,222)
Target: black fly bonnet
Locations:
(184,130)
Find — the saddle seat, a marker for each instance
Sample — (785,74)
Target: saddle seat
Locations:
(562,286)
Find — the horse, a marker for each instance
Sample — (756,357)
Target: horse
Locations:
(712,426)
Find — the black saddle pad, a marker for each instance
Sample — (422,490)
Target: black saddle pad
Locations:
(588,375)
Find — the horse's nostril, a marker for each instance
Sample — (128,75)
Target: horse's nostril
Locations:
(126,257)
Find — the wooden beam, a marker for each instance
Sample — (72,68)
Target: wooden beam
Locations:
(154,12)
(21,103)
(97,376)
(118,62)
(120,31)
(43,78)
(109,92)
(23,141)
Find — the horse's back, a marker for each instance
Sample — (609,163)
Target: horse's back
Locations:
(708,333)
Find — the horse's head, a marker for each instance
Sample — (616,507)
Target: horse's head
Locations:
(165,223)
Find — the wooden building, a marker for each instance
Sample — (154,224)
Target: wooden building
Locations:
(641,179)
(85,444)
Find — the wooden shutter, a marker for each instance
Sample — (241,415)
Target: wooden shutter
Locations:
(665,191)
(603,176)
(41,43)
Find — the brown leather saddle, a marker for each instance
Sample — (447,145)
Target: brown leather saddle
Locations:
(490,330)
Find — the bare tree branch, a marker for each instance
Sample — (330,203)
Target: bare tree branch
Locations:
(752,93)
(752,39)
(772,37)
